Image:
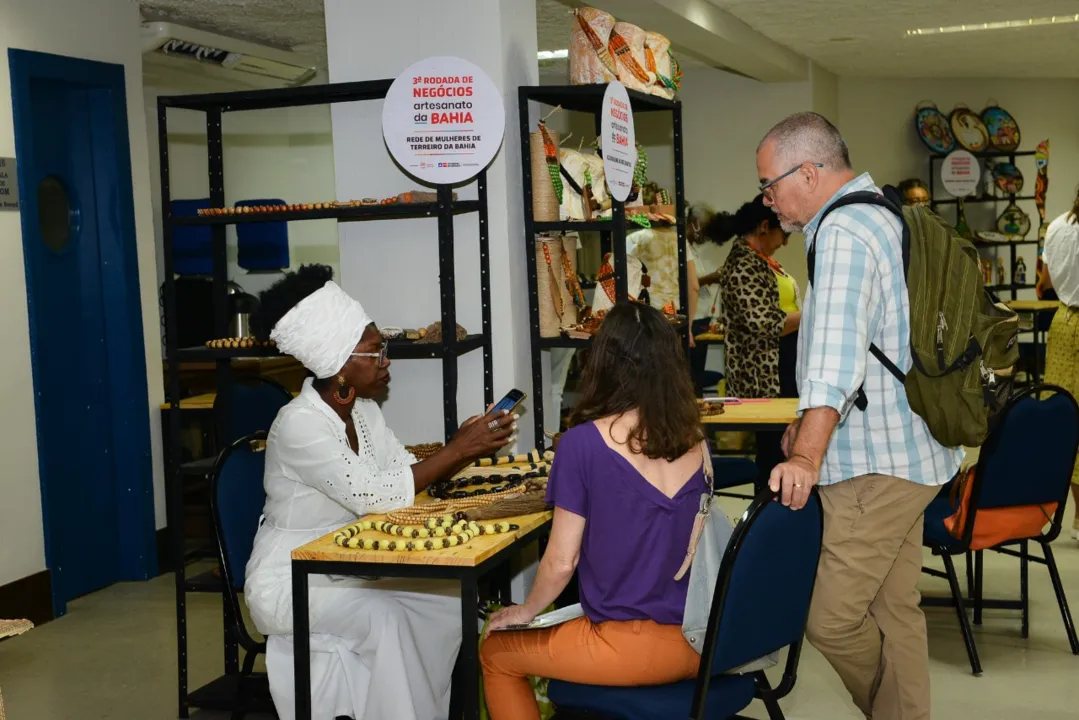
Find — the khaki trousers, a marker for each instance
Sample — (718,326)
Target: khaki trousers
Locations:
(864,617)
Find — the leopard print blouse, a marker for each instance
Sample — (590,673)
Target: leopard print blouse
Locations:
(754,321)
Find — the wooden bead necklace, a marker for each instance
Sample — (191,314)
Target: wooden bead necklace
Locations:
(435,533)
(454,488)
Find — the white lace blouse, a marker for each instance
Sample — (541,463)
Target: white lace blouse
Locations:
(315,484)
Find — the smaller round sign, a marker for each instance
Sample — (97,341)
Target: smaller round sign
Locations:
(443,120)
(618,141)
(959,173)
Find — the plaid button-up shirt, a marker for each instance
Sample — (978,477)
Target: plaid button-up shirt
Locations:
(858,297)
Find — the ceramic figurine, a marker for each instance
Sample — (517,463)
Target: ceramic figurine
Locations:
(961,225)
(1020,272)
(987,271)
(1000,271)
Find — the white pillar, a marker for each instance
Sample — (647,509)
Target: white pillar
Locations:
(392,266)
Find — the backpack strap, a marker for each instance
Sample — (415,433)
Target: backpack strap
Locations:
(888,202)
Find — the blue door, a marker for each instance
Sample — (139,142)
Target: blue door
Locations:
(85,322)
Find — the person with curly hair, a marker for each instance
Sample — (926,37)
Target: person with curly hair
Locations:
(762,310)
(379,648)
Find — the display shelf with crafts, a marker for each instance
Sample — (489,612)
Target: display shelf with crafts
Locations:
(990,141)
(214,216)
(567,191)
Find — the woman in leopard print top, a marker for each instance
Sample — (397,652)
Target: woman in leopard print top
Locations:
(762,311)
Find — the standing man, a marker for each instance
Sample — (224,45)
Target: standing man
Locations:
(877,469)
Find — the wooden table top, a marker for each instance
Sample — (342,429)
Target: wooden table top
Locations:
(779,411)
(1033,305)
(198,402)
(479,549)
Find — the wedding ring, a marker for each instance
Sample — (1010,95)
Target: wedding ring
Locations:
(493,425)
(797,485)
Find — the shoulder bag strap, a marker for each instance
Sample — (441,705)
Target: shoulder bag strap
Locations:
(702,513)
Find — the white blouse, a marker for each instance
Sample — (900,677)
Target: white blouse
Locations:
(315,484)
(1061,255)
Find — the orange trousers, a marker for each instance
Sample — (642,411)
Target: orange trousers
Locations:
(616,653)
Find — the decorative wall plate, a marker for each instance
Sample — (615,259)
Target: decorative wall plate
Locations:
(933,128)
(1002,128)
(990,236)
(1013,221)
(1008,178)
(969,130)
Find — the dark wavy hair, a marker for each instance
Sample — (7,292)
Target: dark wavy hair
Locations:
(636,363)
(748,218)
(285,294)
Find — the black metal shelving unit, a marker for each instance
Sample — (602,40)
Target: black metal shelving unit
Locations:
(588,99)
(1012,287)
(219,694)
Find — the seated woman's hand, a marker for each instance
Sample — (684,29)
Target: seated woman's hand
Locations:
(483,436)
(512,615)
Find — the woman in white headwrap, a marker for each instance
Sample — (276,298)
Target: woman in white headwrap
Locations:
(379,648)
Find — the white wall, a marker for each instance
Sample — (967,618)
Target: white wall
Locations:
(876,117)
(283,153)
(108,31)
(724,118)
(392,267)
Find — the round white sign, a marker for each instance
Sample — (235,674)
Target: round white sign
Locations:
(618,141)
(443,120)
(960,174)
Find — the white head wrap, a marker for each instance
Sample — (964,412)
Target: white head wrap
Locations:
(322,330)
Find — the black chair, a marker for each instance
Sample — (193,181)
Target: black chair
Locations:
(236,500)
(760,606)
(1026,460)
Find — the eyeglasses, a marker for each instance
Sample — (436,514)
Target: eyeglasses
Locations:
(766,187)
(382,354)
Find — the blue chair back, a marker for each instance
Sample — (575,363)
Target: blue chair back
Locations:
(764,586)
(237,498)
(253,403)
(1029,456)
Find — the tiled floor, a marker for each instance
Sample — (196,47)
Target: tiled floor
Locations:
(112,657)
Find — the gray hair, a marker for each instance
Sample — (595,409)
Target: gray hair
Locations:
(809,137)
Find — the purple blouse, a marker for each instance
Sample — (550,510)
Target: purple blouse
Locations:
(635,537)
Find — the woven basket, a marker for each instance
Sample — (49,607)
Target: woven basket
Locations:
(544,198)
(550,281)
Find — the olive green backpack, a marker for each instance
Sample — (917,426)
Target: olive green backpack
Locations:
(962,342)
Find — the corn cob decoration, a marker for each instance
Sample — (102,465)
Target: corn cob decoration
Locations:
(554,168)
(597,44)
(435,534)
(621,50)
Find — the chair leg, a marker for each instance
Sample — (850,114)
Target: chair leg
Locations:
(768,697)
(977,597)
(961,611)
(970,574)
(1024,586)
(1054,574)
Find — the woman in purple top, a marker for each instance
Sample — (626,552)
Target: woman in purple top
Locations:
(626,484)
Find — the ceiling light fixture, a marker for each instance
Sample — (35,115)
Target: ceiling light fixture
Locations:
(552,54)
(1003,25)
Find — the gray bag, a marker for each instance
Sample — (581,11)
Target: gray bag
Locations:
(707,543)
